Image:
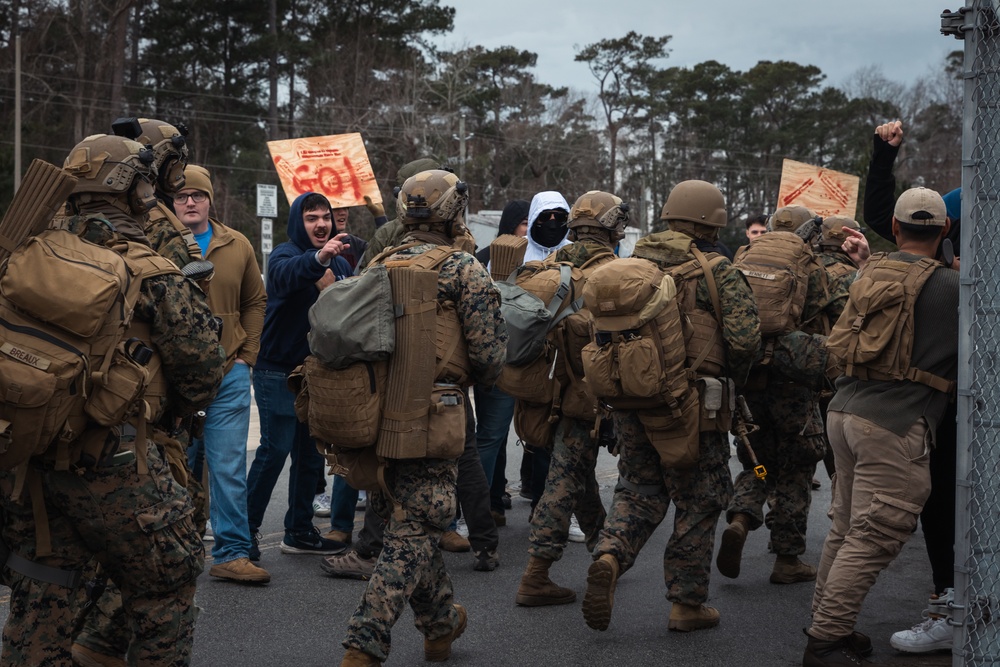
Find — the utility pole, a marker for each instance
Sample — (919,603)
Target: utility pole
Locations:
(461,138)
(17,112)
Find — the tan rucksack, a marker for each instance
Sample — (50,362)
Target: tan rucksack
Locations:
(553,385)
(873,339)
(72,361)
(409,406)
(637,358)
(777,265)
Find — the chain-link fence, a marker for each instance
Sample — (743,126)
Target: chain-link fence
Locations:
(977,545)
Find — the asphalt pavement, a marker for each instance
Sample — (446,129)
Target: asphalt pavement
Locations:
(299,619)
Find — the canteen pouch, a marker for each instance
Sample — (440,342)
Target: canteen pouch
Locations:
(446,422)
(116,391)
(675,438)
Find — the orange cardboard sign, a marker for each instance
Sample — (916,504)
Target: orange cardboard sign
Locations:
(336,166)
(825,191)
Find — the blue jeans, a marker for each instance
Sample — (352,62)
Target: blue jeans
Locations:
(343,505)
(494,412)
(282,434)
(227,428)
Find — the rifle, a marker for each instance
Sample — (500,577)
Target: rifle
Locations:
(743,426)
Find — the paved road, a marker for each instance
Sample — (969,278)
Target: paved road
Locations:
(300,618)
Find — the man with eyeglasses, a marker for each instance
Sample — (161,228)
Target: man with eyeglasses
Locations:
(237,297)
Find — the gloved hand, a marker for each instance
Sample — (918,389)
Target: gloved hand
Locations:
(377,210)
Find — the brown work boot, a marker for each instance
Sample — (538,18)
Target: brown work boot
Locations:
(242,570)
(85,657)
(356,658)
(688,617)
(790,570)
(499,518)
(339,536)
(537,590)
(439,650)
(455,543)
(836,653)
(731,549)
(599,599)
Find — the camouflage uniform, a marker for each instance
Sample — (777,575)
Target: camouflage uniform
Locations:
(105,629)
(571,484)
(167,240)
(137,527)
(790,442)
(410,567)
(699,493)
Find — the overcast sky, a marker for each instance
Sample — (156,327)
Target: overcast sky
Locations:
(838,36)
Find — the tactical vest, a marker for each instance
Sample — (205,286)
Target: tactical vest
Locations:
(874,336)
(778,265)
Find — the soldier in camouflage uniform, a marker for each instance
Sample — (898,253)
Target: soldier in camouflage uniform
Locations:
(410,568)
(138,527)
(105,632)
(789,443)
(596,223)
(391,234)
(695,211)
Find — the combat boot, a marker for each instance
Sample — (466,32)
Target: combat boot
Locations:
(835,653)
(455,543)
(688,617)
(731,550)
(356,658)
(790,570)
(439,650)
(599,600)
(537,590)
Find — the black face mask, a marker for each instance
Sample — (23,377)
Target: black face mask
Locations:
(548,234)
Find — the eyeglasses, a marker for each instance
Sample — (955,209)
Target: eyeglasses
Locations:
(196,197)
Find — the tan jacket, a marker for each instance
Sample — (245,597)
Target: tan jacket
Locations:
(236,293)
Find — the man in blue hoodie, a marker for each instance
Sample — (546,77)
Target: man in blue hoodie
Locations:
(298,270)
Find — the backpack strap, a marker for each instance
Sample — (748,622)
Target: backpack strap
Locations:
(161,212)
(713,291)
(564,290)
(388,252)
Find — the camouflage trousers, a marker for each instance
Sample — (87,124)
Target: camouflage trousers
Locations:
(410,567)
(138,528)
(790,442)
(105,627)
(699,495)
(570,487)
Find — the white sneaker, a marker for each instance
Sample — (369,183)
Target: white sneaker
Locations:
(321,504)
(209,535)
(575,534)
(462,528)
(931,634)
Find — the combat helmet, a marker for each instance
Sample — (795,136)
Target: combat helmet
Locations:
(433,196)
(696,208)
(608,211)
(118,170)
(169,144)
(832,234)
(789,218)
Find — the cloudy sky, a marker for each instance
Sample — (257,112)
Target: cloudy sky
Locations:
(838,36)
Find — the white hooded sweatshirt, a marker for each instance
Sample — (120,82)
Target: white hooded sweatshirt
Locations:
(544,201)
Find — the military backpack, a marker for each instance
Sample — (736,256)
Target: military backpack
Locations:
(73,362)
